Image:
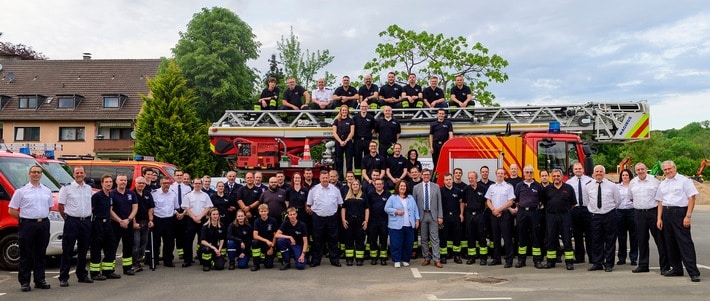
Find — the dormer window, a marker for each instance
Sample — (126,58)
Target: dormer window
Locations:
(70,101)
(31,101)
(4,99)
(114,101)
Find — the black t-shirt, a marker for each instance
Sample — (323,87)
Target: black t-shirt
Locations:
(295,96)
(276,200)
(451,200)
(370,163)
(559,200)
(514,181)
(411,164)
(297,198)
(355,207)
(460,185)
(432,94)
(213,235)
(145,203)
(297,231)
(440,130)
(388,130)
(341,91)
(272,94)
(221,203)
(461,93)
(412,91)
(266,228)
(396,165)
(101,204)
(123,202)
(367,93)
(377,205)
(343,127)
(475,198)
(240,233)
(387,91)
(364,126)
(528,195)
(249,196)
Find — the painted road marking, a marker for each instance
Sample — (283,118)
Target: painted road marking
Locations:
(432,297)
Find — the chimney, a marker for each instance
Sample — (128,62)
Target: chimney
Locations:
(87,56)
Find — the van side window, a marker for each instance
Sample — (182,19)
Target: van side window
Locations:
(97,171)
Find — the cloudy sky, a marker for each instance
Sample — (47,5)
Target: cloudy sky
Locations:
(559,51)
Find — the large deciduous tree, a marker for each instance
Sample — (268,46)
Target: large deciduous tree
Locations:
(303,66)
(429,54)
(213,54)
(168,127)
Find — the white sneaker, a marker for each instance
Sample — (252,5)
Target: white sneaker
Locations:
(405,264)
(397,265)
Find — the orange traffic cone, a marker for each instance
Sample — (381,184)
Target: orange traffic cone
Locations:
(306,151)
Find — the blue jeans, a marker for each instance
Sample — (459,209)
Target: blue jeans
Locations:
(401,244)
(234,249)
(287,249)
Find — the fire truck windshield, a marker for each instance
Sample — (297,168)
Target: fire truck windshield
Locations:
(16,171)
(58,172)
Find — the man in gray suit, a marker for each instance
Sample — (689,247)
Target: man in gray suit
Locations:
(428,197)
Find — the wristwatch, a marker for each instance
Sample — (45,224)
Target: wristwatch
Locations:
(688,216)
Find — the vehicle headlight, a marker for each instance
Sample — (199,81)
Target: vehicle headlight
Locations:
(55,216)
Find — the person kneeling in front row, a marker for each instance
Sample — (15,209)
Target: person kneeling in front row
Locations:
(292,240)
(212,243)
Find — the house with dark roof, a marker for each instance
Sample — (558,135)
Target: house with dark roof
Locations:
(72,107)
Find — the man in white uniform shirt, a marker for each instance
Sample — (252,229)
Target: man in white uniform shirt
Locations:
(166,206)
(642,191)
(322,97)
(75,208)
(581,219)
(500,196)
(676,194)
(604,198)
(196,205)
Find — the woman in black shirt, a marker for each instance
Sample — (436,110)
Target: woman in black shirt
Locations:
(239,236)
(212,242)
(221,201)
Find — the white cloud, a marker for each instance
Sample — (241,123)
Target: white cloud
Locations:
(629,83)
(677,110)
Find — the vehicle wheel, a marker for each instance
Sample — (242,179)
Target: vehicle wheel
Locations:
(10,247)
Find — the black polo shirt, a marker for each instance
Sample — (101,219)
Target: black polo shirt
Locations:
(364,126)
(432,94)
(266,228)
(461,93)
(440,130)
(213,235)
(123,202)
(377,205)
(297,198)
(343,127)
(249,196)
(412,91)
(388,130)
(295,96)
(411,164)
(528,195)
(559,200)
(451,200)
(221,203)
(367,93)
(297,231)
(240,233)
(355,207)
(460,185)
(145,203)
(396,165)
(475,198)
(389,91)
(271,94)
(101,205)
(341,91)
(371,163)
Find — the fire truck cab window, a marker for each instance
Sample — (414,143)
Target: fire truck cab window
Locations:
(551,155)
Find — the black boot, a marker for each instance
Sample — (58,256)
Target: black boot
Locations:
(349,261)
(457,259)
(539,265)
(550,263)
(374,261)
(383,261)
(257,262)
(231,264)
(443,259)
(358,262)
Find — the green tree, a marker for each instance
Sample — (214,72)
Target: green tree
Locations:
(213,55)
(303,66)
(168,127)
(431,54)
(22,51)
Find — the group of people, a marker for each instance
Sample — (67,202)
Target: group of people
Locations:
(309,218)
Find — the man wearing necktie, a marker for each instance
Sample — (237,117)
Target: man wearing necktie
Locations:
(581,219)
(179,224)
(428,197)
(604,198)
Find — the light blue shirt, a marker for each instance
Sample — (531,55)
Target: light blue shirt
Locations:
(411,211)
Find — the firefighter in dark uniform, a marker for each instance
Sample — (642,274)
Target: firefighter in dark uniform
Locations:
(220,200)
(412,94)
(343,133)
(212,239)
(30,206)
(369,93)
(239,237)
(377,227)
(292,240)
(528,195)
(390,93)
(263,247)
(364,126)
(102,236)
(388,130)
(296,197)
(450,234)
(559,199)
(346,95)
(372,161)
(396,167)
(143,223)
(355,214)
(123,211)
(248,198)
(275,198)
(474,200)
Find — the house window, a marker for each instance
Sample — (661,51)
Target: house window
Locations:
(111,102)
(66,103)
(4,99)
(120,133)
(71,134)
(27,134)
(28,102)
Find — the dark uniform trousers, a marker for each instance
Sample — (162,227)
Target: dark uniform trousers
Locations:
(679,244)
(645,225)
(354,237)
(450,234)
(528,220)
(76,231)
(502,228)
(559,224)
(179,229)
(377,237)
(581,230)
(126,237)
(163,230)
(347,151)
(603,239)
(325,227)
(102,239)
(33,239)
(476,231)
(361,149)
(192,229)
(436,151)
(627,225)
